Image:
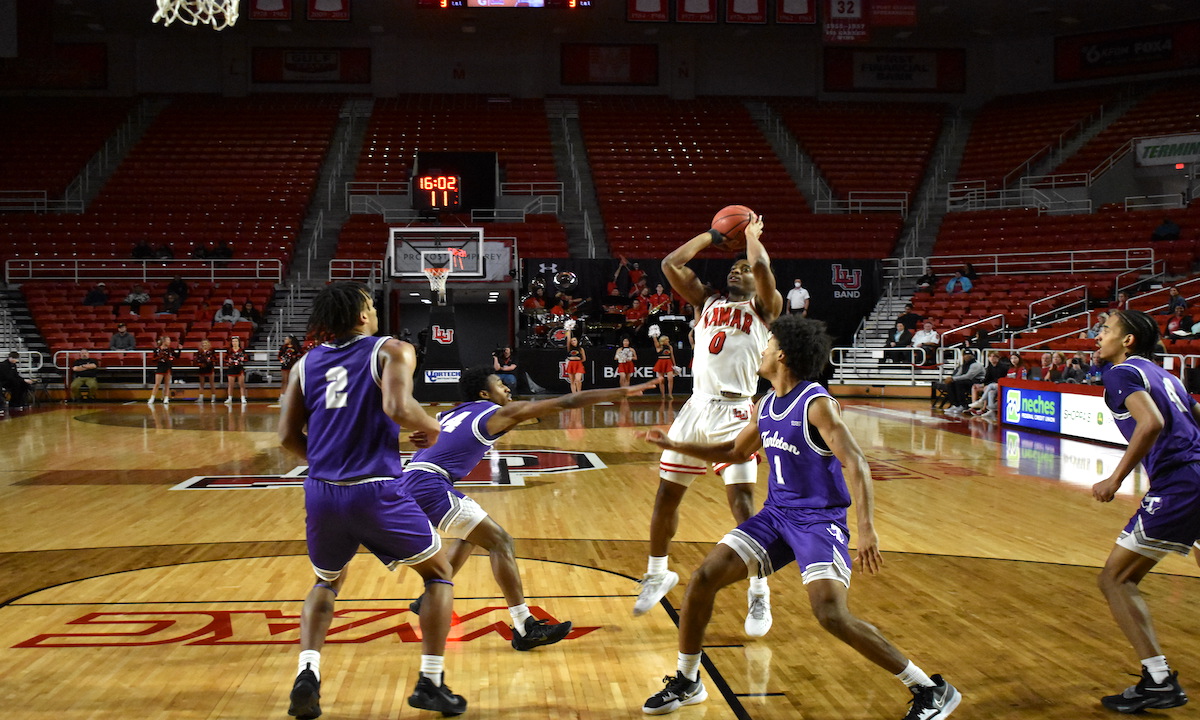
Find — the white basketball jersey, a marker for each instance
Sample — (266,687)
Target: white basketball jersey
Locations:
(730,338)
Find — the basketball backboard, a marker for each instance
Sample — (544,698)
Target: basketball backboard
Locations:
(411,250)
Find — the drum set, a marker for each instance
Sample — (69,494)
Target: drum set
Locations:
(544,329)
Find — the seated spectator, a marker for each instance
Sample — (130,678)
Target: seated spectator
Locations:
(1094,331)
(927,339)
(927,282)
(958,385)
(142,251)
(1042,371)
(1167,230)
(19,387)
(958,284)
(1057,372)
(983,393)
(1076,370)
(164,252)
(179,287)
(97,296)
(1095,369)
(170,304)
(137,295)
(85,371)
(227,313)
(202,251)
(968,271)
(909,319)
(900,337)
(122,340)
(1180,324)
(1174,300)
(980,338)
(1121,303)
(1018,369)
(252,315)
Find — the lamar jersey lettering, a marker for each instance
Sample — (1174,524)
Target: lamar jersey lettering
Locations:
(730,339)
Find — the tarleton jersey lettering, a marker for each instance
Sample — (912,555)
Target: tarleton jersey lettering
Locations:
(350,436)
(463,440)
(730,338)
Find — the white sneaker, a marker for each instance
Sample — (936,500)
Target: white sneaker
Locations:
(166,401)
(200,399)
(229,400)
(654,588)
(758,617)
(150,401)
(955,410)
(243,399)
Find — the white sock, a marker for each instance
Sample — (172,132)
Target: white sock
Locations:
(519,614)
(1157,667)
(311,660)
(758,586)
(689,665)
(912,676)
(432,666)
(657,565)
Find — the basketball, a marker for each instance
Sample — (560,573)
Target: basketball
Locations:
(731,221)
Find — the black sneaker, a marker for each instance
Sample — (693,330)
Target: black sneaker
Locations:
(539,633)
(679,692)
(415,606)
(1148,694)
(933,702)
(306,696)
(438,698)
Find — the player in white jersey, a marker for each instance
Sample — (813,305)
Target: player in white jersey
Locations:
(731,333)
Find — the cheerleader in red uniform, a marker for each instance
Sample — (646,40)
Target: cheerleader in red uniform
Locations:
(665,366)
(289,353)
(575,359)
(625,357)
(206,366)
(164,356)
(235,369)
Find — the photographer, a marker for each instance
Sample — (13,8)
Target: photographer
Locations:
(1077,369)
(505,367)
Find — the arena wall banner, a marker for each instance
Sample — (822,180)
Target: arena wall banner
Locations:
(1148,49)
(747,11)
(907,70)
(697,11)
(1167,150)
(647,11)
(595,64)
(311,65)
(270,9)
(796,12)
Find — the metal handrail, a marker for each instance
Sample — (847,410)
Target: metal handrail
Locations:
(77,270)
(1034,318)
(62,358)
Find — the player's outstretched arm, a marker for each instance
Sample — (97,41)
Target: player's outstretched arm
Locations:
(292,419)
(738,450)
(823,414)
(399,363)
(681,277)
(1149,424)
(766,294)
(514,413)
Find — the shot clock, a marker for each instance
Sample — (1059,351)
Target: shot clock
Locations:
(438,191)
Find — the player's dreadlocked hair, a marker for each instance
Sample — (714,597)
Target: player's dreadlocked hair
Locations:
(1146,341)
(474,381)
(804,343)
(335,311)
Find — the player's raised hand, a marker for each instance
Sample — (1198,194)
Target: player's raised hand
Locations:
(755,228)
(868,558)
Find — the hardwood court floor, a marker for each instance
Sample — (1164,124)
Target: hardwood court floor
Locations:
(126,595)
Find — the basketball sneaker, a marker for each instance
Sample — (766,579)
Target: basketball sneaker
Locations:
(679,692)
(229,400)
(654,588)
(306,694)
(933,702)
(539,633)
(438,698)
(415,606)
(1148,694)
(758,616)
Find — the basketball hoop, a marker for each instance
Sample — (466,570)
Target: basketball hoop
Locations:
(218,13)
(437,281)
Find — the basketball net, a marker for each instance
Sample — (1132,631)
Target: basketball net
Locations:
(437,281)
(218,13)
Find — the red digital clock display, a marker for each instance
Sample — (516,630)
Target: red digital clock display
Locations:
(438,192)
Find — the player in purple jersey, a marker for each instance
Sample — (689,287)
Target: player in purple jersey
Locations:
(1162,424)
(352,392)
(467,433)
(812,458)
